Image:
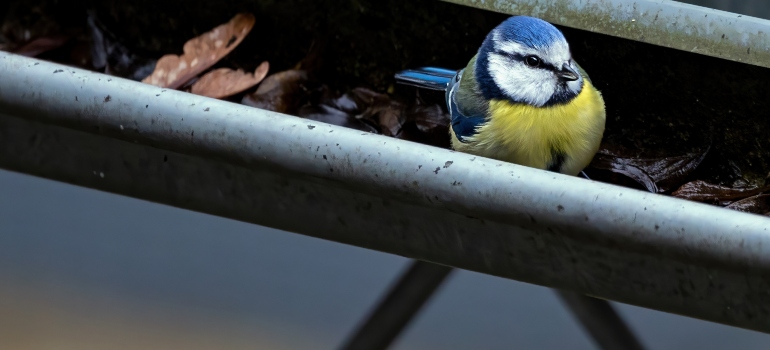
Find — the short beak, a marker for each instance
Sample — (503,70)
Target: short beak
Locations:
(567,73)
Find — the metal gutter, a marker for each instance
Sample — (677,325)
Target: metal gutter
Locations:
(385,194)
(660,22)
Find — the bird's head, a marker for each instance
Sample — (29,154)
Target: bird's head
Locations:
(527,60)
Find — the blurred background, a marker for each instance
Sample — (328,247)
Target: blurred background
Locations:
(82,269)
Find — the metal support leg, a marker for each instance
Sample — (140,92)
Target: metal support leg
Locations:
(399,306)
(601,321)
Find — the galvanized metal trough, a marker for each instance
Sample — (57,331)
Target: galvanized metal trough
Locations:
(395,196)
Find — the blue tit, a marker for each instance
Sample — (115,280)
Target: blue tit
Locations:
(521,99)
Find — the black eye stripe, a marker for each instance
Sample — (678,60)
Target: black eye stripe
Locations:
(548,66)
(519,57)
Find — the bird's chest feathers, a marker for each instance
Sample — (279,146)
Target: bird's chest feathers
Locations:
(537,136)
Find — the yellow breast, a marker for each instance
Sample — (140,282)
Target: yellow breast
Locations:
(534,136)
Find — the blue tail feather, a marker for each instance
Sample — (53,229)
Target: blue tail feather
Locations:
(427,77)
(439,71)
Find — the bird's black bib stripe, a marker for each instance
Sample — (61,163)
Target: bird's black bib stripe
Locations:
(557,161)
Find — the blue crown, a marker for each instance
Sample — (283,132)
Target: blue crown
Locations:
(533,32)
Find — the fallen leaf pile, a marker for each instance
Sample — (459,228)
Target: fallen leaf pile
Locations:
(747,199)
(670,170)
(655,171)
(201,53)
(646,165)
(293,92)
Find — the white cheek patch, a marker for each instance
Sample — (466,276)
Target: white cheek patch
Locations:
(520,82)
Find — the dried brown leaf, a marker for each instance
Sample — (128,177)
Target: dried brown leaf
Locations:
(377,109)
(427,124)
(759,204)
(43,44)
(280,92)
(224,82)
(380,110)
(430,118)
(391,118)
(200,53)
(342,111)
(659,173)
(293,92)
(703,191)
(330,114)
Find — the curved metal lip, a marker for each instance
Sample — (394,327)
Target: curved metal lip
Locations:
(424,202)
(388,167)
(665,23)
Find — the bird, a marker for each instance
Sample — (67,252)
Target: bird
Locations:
(521,98)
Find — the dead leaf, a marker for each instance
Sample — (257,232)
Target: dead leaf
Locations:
(379,109)
(331,115)
(702,191)
(293,92)
(430,118)
(224,82)
(344,110)
(115,58)
(200,53)
(656,173)
(759,204)
(391,118)
(43,44)
(428,124)
(281,92)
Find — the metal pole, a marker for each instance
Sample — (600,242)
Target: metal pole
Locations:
(665,23)
(385,194)
(422,279)
(399,306)
(601,321)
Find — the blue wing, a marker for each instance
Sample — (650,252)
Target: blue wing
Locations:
(465,119)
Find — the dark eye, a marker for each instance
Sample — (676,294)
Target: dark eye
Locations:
(532,61)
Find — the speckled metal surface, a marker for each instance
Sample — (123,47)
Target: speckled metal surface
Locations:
(385,194)
(660,22)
